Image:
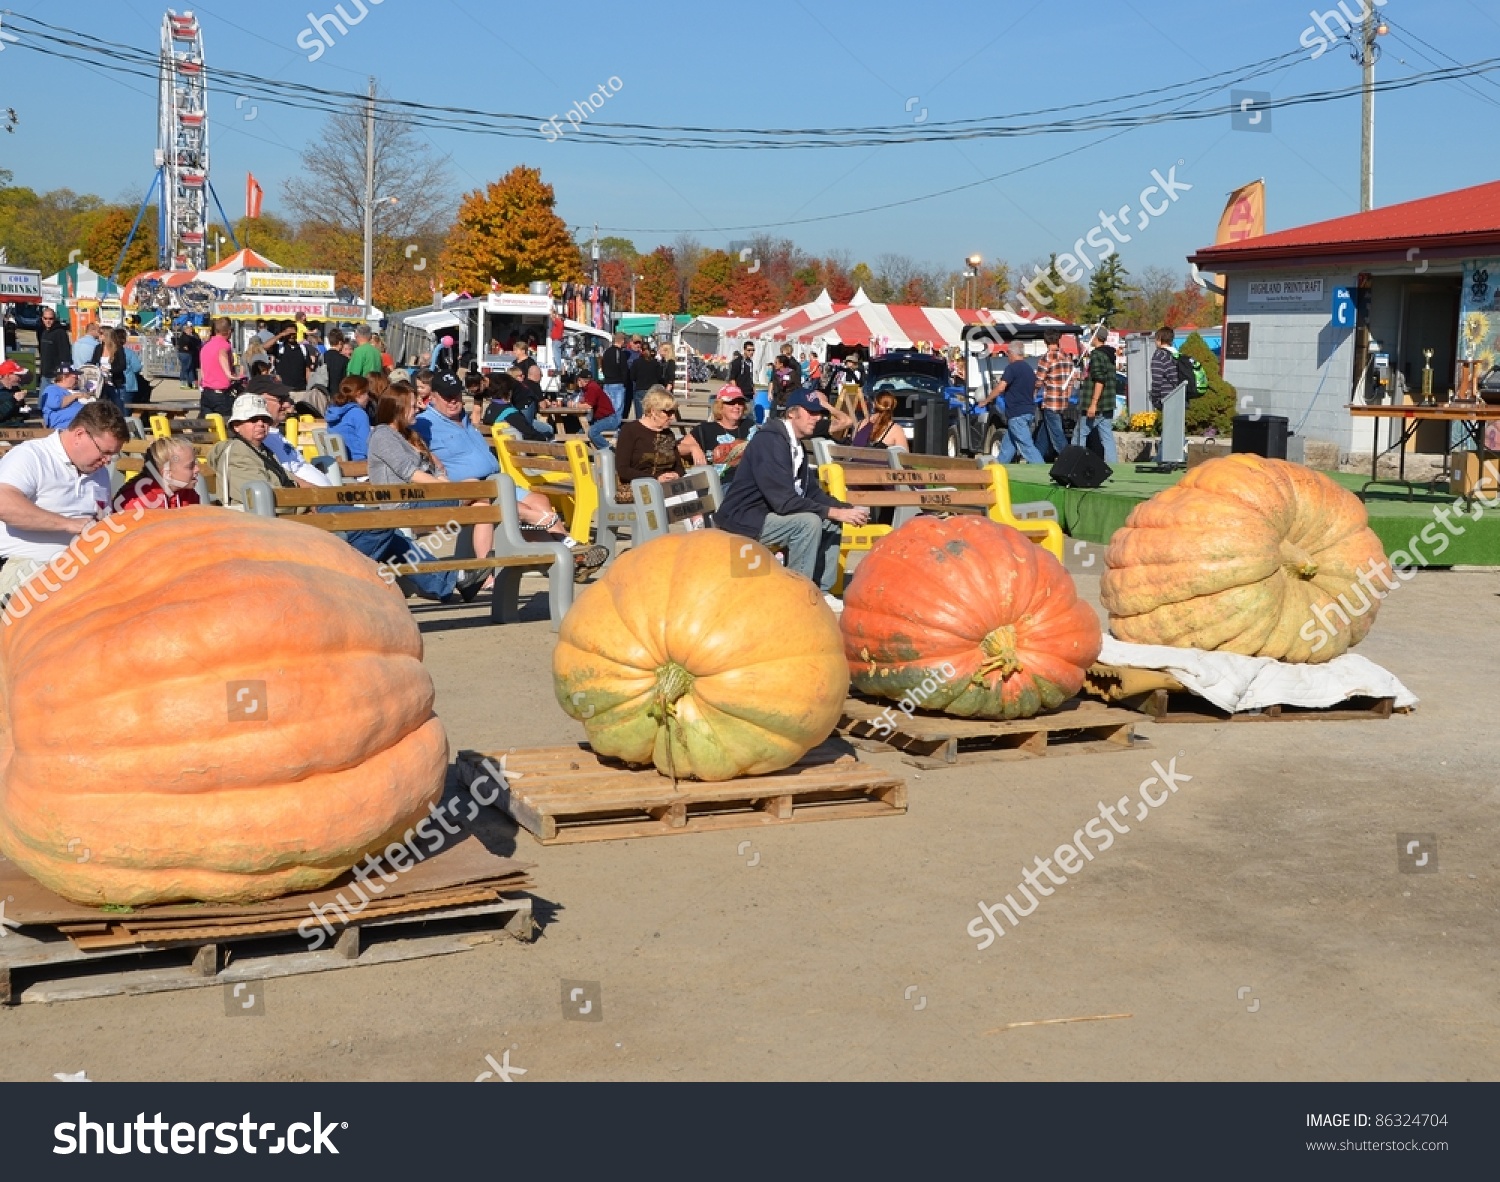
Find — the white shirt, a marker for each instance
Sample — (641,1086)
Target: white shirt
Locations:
(42,472)
(798,455)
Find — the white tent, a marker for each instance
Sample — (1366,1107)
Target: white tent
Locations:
(77,281)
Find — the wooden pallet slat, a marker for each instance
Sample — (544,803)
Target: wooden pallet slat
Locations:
(936,740)
(1168,707)
(568,794)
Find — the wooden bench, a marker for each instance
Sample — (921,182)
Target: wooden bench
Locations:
(688,503)
(402,507)
(1024,511)
(944,490)
(210,429)
(562,472)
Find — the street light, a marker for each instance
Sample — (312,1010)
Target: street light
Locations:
(972,274)
(633,279)
(219,241)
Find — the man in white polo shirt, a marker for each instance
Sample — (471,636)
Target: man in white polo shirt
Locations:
(54,488)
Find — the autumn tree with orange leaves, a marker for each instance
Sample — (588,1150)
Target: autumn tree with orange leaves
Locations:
(508,233)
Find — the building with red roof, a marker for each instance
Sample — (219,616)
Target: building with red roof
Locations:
(1345,310)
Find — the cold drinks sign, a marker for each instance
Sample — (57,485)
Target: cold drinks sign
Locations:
(1268,292)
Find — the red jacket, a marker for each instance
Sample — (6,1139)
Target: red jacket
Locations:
(597,400)
(142,491)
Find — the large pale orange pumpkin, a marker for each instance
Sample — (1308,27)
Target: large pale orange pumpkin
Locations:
(698,653)
(1246,555)
(969,617)
(134,767)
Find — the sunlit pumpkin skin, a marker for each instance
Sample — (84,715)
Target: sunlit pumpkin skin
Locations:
(979,599)
(122,740)
(700,654)
(1238,556)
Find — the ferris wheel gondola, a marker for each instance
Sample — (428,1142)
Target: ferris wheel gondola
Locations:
(182,145)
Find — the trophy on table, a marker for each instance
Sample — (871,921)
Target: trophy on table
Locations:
(1427,377)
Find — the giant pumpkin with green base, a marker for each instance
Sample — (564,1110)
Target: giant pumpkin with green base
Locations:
(1247,555)
(699,654)
(210,706)
(969,617)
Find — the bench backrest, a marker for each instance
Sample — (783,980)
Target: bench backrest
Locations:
(211,428)
(684,504)
(402,505)
(526,462)
(825,451)
(942,488)
(21,434)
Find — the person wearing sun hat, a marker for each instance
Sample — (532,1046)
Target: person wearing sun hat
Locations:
(244,456)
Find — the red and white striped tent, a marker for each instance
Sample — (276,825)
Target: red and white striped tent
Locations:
(224,276)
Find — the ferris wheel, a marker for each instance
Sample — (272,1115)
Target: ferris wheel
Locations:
(182,146)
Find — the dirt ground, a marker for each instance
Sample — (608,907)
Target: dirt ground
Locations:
(1257,926)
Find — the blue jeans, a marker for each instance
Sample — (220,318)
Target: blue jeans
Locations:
(600,426)
(1018,439)
(187,369)
(616,392)
(395,553)
(762,405)
(812,545)
(529,414)
(1056,436)
(1106,428)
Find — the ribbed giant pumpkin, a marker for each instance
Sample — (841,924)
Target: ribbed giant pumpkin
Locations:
(214,706)
(1246,555)
(969,617)
(699,653)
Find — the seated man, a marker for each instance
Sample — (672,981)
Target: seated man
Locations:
(55,488)
(12,394)
(279,403)
(62,400)
(603,414)
(776,498)
(466,454)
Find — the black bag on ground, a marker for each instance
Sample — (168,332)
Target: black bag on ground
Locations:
(1078,467)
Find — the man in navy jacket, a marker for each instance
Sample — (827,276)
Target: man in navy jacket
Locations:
(776,498)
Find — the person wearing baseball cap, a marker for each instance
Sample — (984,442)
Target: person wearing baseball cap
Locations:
(12,397)
(727,433)
(776,499)
(62,399)
(244,457)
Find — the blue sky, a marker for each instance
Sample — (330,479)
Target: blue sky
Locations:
(790,63)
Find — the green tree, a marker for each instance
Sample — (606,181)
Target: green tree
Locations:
(1109,291)
(1218,406)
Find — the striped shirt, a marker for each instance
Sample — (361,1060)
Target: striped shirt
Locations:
(1054,374)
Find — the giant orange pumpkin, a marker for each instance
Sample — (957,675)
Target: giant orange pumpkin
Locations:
(969,617)
(213,706)
(698,653)
(1250,556)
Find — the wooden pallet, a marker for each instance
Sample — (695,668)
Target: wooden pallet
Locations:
(568,794)
(939,741)
(43,964)
(1165,706)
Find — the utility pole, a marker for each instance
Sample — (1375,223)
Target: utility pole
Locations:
(369,197)
(1366,55)
(594,256)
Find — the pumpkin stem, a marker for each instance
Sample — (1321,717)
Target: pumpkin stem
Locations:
(1297,562)
(1000,647)
(672,682)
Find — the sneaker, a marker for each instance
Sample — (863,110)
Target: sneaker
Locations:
(470,584)
(835,604)
(586,560)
